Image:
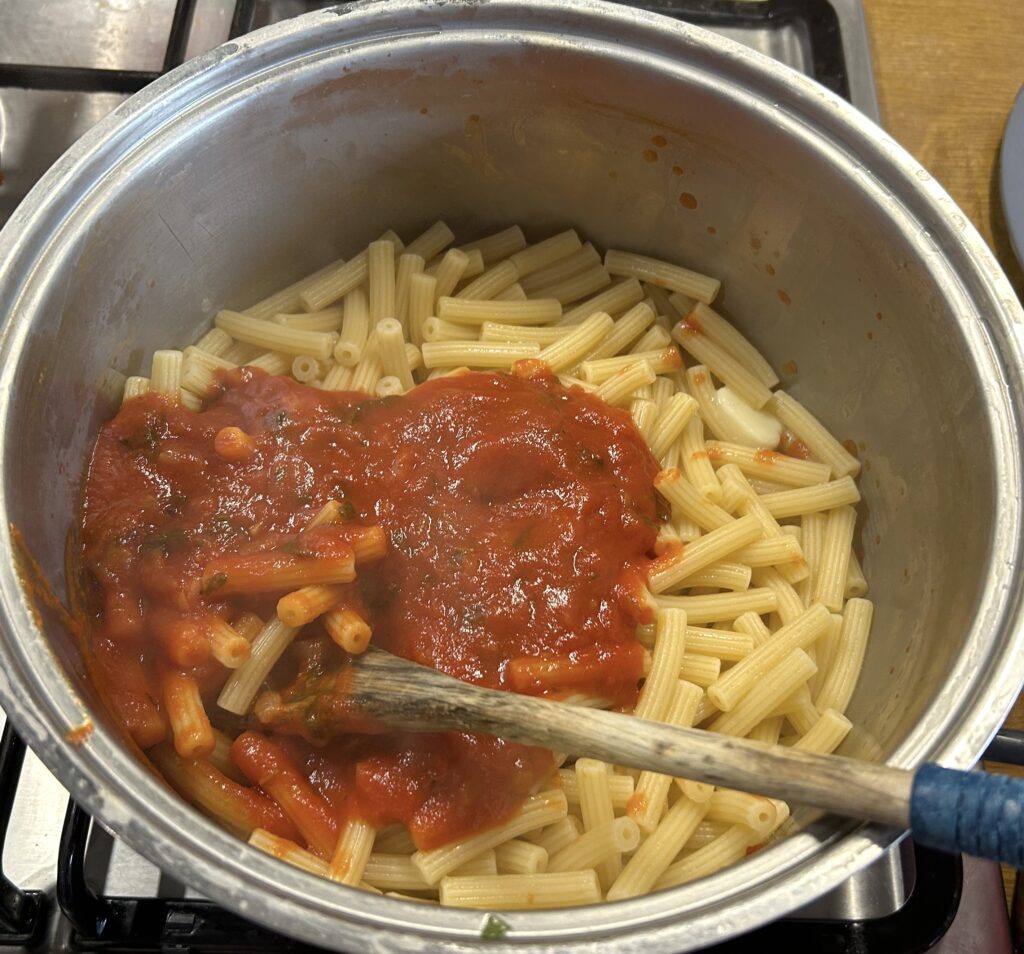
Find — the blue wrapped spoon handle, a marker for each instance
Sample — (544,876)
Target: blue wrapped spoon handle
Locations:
(974,812)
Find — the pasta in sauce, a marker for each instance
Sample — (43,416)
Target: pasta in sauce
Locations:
(494,460)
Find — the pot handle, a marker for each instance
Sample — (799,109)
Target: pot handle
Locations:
(1007,747)
(974,812)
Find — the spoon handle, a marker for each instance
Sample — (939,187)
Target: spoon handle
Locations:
(974,812)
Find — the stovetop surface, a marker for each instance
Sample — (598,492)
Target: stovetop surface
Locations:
(64,64)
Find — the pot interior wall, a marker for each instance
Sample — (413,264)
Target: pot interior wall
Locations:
(251,191)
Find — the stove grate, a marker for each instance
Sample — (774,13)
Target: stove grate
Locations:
(129,925)
(88,80)
(22,913)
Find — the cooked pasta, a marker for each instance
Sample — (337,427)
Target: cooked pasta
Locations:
(612,301)
(751,619)
(520,857)
(500,245)
(565,267)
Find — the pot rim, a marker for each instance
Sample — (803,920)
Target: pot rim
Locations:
(117,789)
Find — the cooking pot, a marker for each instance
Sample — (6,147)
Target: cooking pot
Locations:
(840,257)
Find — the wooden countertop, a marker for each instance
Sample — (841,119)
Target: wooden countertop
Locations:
(948,72)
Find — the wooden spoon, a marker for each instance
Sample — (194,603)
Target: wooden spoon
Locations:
(973,812)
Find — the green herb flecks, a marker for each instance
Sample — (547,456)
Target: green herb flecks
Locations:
(169,542)
(297,548)
(522,540)
(174,504)
(215,582)
(493,928)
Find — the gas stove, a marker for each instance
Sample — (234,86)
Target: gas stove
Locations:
(66,884)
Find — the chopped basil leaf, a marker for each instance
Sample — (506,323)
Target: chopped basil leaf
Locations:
(493,928)
(215,582)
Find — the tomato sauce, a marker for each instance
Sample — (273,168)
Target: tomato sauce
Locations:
(520,520)
(792,446)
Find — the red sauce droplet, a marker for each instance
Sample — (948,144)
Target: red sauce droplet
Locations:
(473,118)
(423,110)
(755,243)
(650,155)
(792,446)
(687,200)
(677,170)
(700,378)
(637,804)
(871,337)
(770,269)
(878,316)
(790,367)
(660,141)
(77,735)
(768,457)
(851,446)
(712,230)
(784,297)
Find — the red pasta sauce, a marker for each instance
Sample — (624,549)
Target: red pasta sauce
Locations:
(520,518)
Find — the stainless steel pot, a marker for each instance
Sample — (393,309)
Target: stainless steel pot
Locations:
(263,159)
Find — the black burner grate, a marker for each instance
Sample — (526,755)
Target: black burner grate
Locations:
(86,80)
(22,913)
(817,17)
(129,925)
